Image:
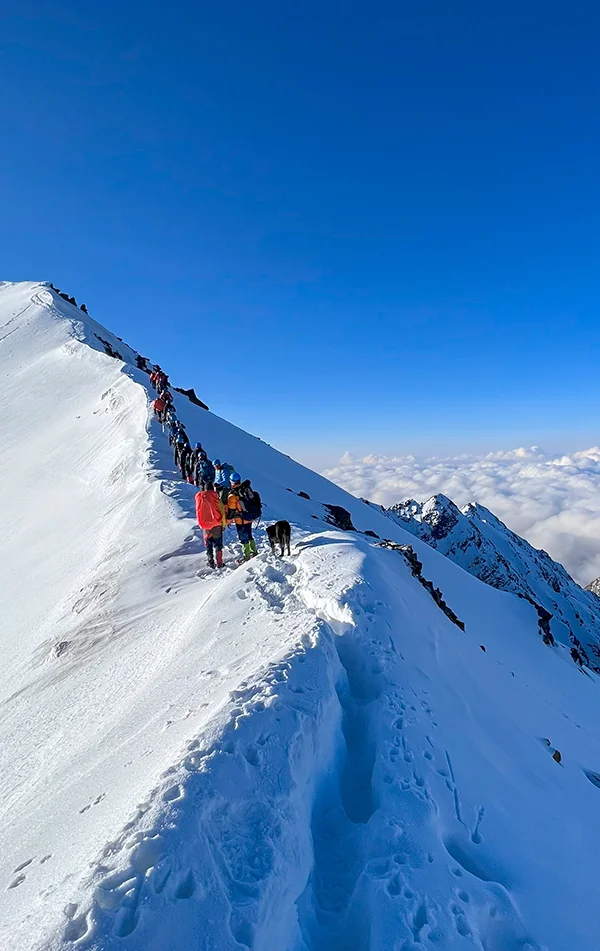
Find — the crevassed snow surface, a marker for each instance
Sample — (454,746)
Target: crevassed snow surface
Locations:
(295,755)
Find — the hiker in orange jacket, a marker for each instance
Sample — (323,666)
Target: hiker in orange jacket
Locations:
(210,513)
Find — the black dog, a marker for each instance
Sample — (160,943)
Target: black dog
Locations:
(280,534)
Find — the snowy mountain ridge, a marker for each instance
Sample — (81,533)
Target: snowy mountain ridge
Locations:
(306,754)
(484,546)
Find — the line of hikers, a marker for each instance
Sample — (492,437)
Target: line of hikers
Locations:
(223,499)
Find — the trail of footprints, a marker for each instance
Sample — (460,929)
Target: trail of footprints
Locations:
(150,867)
(151,864)
(20,873)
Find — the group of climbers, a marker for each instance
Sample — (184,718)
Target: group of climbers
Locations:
(224,499)
(220,505)
(164,400)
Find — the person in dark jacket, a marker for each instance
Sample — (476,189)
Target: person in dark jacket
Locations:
(236,513)
(202,468)
(182,454)
(194,462)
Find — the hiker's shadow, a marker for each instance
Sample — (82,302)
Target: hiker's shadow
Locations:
(192,545)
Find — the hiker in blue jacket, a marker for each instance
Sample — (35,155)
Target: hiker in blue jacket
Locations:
(222,479)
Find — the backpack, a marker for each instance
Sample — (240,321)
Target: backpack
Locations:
(208,510)
(206,470)
(250,502)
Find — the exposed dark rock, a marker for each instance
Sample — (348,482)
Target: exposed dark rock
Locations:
(304,495)
(371,534)
(556,756)
(191,395)
(482,646)
(142,363)
(544,618)
(416,567)
(338,516)
(84,308)
(576,656)
(108,348)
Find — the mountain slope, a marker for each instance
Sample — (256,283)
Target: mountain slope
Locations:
(481,544)
(298,755)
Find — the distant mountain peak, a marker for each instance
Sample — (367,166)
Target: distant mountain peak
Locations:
(480,542)
(594,587)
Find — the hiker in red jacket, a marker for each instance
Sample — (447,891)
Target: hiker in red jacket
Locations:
(210,512)
(159,408)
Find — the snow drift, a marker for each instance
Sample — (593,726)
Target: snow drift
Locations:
(295,755)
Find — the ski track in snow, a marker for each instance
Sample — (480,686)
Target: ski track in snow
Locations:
(298,754)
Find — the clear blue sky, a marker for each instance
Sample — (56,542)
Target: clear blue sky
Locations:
(364,226)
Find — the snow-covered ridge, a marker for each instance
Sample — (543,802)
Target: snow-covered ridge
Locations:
(295,755)
(478,541)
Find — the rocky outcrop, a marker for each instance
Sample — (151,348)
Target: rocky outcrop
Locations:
(416,567)
(191,395)
(338,516)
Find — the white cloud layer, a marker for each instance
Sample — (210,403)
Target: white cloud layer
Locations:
(552,501)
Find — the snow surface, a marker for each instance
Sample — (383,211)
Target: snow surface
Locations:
(294,755)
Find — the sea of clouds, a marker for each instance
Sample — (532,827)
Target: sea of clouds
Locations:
(552,501)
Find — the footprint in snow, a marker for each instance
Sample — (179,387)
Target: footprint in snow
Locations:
(17,881)
(173,794)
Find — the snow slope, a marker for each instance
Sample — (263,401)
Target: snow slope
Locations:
(294,755)
(483,545)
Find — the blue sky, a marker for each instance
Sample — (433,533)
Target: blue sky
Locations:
(356,226)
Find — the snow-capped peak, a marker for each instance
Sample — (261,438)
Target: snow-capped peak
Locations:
(476,539)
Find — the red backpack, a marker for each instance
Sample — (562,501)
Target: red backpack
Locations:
(208,510)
